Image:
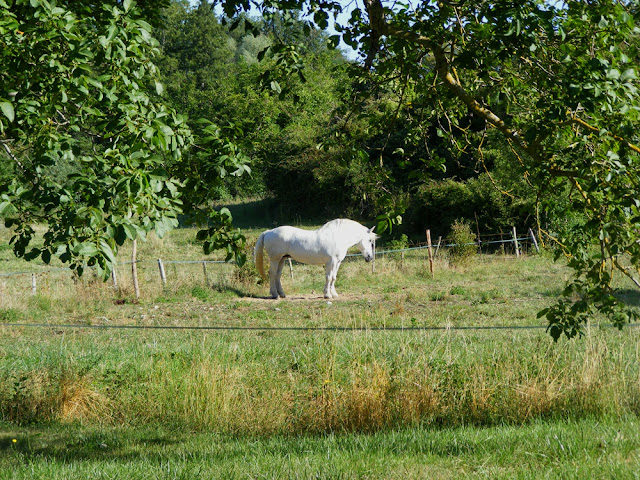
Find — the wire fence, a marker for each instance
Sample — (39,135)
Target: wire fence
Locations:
(516,244)
(445,328)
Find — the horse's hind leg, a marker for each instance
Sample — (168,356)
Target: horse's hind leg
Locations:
(279,278)
(274,278)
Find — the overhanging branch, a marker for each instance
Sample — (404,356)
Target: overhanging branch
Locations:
(618,138)
(11,155)
(381,27)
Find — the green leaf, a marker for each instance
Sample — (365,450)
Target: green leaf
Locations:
(107,251)
(32,254)
(130,230)
(275,86)
(163,226)
(555,331)
(225,212)
(7,110)
(85,249)
(262,53)
(628,74)
(202,234)
(613,74)
(333,41)
(120,235)
(6,207)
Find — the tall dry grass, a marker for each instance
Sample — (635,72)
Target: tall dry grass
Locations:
(295,382)
(346,383)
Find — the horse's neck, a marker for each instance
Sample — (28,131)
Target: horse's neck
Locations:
(346,232)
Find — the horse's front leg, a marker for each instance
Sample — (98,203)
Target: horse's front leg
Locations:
(334,275)
(328,269)
(331,270)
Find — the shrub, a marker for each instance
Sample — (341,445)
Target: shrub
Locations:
(327,183)
(464,242)
(399,243)
(439,202)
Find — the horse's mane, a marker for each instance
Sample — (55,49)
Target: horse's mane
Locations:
(337,223)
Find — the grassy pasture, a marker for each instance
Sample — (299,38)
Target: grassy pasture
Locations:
(159,403)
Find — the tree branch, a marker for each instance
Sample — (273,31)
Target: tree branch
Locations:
(591,128)
(377,24)
(444,72)
(12,156)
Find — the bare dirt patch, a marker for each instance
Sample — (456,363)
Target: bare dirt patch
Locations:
(306,297)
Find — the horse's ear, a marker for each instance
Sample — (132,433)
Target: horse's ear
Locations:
(372,229)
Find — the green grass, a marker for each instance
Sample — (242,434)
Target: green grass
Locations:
(361,402)
(588,448)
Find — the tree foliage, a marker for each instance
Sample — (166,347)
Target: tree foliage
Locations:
(558,81)
(78,87)
(281,123)
(467,93)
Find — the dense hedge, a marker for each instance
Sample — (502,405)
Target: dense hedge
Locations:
(330,148)
(439,203)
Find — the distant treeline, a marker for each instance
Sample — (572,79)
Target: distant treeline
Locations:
(326,147)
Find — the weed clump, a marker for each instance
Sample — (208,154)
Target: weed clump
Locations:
(464,241)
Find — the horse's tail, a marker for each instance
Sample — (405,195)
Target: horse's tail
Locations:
(258,255)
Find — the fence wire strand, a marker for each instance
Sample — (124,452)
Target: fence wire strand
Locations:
(284,328)
(294,329)
(230,262)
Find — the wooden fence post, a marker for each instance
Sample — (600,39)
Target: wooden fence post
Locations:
(437,246)
(373,260)
(204,270)
(33,284)
(134,268)
(114,278)
(478,232)
(163,276)
(430,252)
(515,242)
(290,269)
(535,242)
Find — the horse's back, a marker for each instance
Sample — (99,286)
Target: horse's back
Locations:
(287,234)
(302,245)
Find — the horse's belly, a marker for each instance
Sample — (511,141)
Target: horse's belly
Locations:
(311,258)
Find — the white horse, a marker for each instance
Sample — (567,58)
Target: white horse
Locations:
(326,246)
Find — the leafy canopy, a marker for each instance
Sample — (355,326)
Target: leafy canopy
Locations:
(557,80)
(78,87)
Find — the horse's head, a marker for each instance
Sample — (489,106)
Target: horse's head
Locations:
(367,243)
